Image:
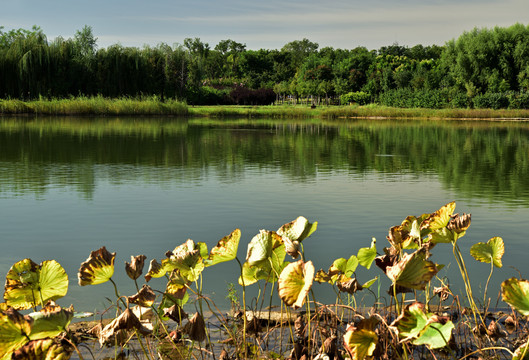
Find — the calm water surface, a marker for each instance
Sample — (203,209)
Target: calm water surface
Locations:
(143,186)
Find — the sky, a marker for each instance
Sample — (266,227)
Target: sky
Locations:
(266,24)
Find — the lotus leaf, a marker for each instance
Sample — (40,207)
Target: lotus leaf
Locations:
(98,268)
(492,251)
(440,218)
(14,331)
(126,321)
(340,267)
(295,282)
(145,297)
(187,258)
(262,246)
(135,267)
(413,270)
(349,285)
(422,328)
(443,235)
(367,255)
(515,292)
(360,342)
(46,349)
(177,285)
(297,230)
(28,284)
(196,328)
(459,224)
(156,270)
(50,321)
(294,232)
(226,249)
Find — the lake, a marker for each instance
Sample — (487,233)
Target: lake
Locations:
(145,185)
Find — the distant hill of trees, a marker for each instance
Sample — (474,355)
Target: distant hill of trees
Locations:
(483,68)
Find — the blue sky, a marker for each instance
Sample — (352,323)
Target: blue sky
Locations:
(264,24)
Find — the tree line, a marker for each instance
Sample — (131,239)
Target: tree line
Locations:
(482,68)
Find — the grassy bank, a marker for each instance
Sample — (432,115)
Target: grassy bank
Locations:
(153,106)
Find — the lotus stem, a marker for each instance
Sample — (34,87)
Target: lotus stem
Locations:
(243,310)
(487,284)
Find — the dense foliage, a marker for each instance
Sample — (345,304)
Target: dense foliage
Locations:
(483,68)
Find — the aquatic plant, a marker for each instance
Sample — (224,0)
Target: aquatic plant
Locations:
(153,322)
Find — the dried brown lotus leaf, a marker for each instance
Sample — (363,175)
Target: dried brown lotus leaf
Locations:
(134,269)
(196,328)
(126,321)
(45,349)
(156,270)
(145,297)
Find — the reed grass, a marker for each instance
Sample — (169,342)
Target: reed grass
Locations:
(150,106)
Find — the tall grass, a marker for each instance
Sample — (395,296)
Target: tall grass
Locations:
(99,105)
(96,105)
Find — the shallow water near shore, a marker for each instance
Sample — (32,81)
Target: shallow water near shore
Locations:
(143,186)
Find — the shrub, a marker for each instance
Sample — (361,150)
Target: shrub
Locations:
(358,97)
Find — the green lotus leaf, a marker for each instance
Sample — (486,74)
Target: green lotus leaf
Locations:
(340,267)
(522,352)
(399,237)
(515,292)
(435,335)
(98,268)
(156,270)
(45,349)
(14,331)
(411,322)
(29,285)
(297,230)
(440,218)
(50,321)
(360,342)
(225,250)
(492,251)
(295,282)
(442,235)
(177,285)
(422,328)
(412,271)
(262,246)
(367,255)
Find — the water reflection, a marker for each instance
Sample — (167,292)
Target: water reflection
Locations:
(487,160)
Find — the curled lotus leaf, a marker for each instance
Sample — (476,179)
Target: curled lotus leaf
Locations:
(367,255)
(294,232)
(443,235)
(349,285)
(295,282)
(262,246)
(440,218)
(492,251)
(175,313)
(226,249)
(98,268)
(389,258)
(515,292)
(134,269)
(361,341)
(50,321)
(156,270)
(14,331)
(177,285)
(126,321)
(187,258)
(459,223)
(413,270)
(29,284)
(196,328)
(45,349)
(145,297)
(399,238)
